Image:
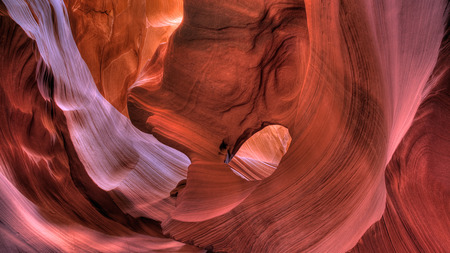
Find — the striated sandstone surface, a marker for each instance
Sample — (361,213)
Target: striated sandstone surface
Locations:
(224,126)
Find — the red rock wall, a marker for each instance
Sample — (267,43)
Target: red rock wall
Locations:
(225,126)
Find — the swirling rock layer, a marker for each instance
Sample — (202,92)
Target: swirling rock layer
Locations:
(417,178)
(48,201)
(225,126)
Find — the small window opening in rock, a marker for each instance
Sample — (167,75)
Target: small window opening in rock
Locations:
(260,155)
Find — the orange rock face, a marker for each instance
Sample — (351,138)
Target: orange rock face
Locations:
(224,126)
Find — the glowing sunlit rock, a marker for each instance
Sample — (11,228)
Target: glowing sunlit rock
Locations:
(224,126)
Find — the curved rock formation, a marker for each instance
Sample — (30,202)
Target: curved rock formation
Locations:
(224,126)
(48,202)
(417,178)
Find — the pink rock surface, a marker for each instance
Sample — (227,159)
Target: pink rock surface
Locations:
(48,202)
(417,178)
(225,126)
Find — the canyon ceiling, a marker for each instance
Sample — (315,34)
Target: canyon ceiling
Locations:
(224,126)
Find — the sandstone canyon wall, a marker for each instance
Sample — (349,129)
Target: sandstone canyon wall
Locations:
(224,126)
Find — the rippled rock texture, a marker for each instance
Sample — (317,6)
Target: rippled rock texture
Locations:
(224,126)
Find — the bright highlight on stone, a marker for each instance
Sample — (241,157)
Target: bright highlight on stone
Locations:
(224,126)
